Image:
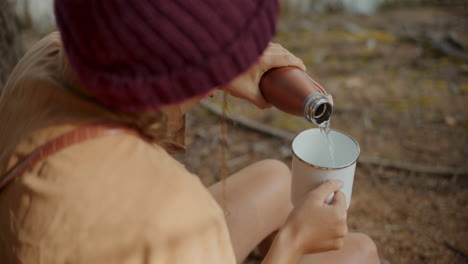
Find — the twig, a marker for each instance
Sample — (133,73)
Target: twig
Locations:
(248,123)
(443,45)
(456,250)
(411,166)
(448,45)
(368,160)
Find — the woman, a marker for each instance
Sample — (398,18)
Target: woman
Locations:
(113,87)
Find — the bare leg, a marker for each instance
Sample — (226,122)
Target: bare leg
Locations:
(257,201)
(358,248)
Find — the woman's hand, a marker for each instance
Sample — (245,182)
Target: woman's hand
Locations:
(246,85)
(318,226)
(313,226)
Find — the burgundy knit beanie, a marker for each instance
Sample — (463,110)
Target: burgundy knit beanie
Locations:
(138,55)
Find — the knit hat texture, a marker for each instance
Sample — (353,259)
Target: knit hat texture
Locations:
(137,55)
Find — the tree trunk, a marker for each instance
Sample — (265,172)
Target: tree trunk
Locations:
(10,44)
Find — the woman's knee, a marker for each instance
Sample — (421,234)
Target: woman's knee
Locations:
(274,171)
(364,246)
(272,184)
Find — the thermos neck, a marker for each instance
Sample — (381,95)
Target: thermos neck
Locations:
(317,108)
(291,90)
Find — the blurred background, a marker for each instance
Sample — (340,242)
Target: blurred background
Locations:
(398,72)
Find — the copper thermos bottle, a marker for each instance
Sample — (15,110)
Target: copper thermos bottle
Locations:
(291,90)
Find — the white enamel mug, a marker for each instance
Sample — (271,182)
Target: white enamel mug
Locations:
(314,162)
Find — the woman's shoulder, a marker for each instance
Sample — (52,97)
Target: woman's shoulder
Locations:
(123,162)
(119,194)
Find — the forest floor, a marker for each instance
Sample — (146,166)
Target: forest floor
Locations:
(401,97)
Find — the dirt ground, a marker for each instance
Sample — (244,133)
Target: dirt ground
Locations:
(401,97)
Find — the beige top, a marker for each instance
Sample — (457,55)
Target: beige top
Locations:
(115,199)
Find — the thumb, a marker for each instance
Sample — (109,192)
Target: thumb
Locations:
(326,188)
(339,200)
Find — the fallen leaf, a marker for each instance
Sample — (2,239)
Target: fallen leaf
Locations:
(450,120)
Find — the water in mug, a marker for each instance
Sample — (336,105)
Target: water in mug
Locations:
(325,130)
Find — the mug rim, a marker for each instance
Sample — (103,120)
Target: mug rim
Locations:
(327,168)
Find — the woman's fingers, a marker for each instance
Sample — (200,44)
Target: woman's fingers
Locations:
(322,226)
(277,56)
(325,189)
(339,200)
